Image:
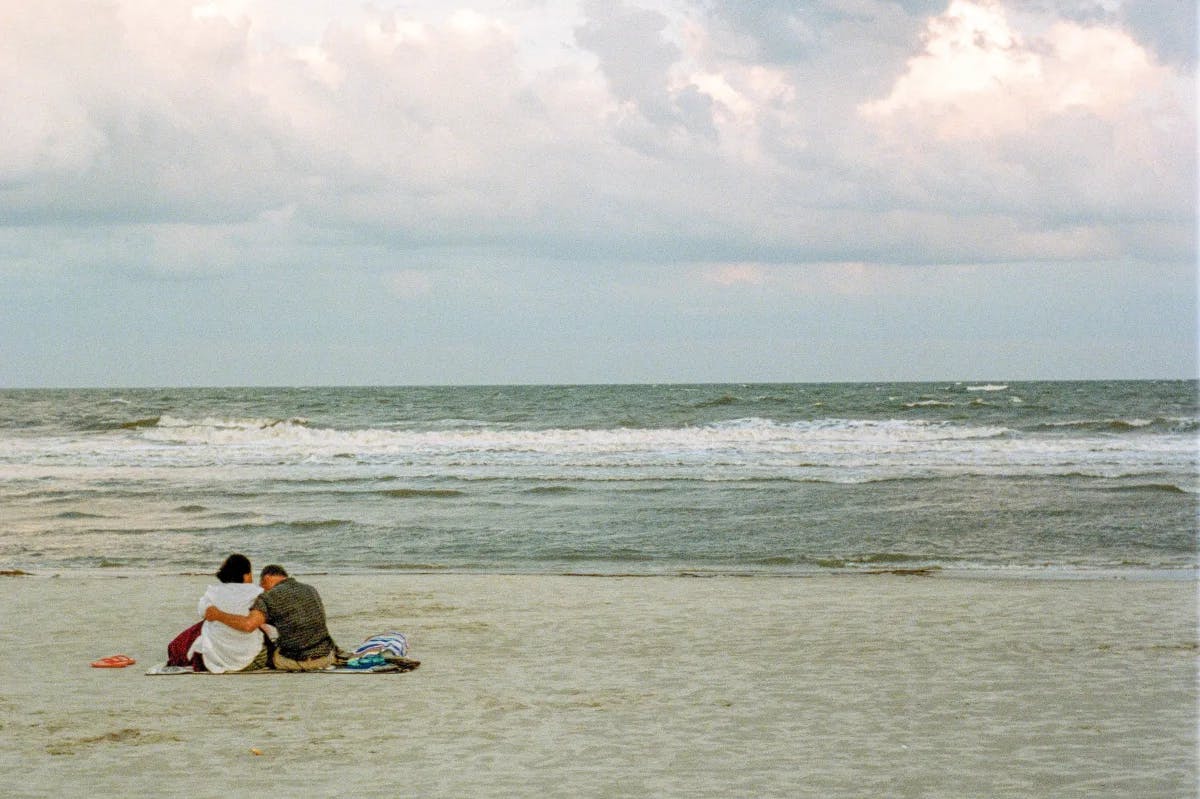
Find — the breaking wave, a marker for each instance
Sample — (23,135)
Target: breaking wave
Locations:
(752,432)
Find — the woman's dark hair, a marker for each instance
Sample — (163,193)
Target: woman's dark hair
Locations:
(234,569)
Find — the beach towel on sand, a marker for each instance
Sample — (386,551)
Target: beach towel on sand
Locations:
(386,667)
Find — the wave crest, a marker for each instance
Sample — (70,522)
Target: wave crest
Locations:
(1156,425)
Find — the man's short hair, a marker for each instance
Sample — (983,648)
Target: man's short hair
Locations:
(273,571)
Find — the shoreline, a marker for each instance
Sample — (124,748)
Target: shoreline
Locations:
(1018,573)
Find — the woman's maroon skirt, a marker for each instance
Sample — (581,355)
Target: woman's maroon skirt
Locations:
(177,650)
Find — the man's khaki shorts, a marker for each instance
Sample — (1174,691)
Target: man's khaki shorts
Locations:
(316,664)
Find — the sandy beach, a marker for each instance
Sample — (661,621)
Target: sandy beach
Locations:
(828,686)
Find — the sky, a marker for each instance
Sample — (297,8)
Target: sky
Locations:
(320,192)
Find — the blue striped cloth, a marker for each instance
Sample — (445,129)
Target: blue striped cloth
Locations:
(391,643)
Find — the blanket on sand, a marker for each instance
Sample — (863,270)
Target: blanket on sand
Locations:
(390,666)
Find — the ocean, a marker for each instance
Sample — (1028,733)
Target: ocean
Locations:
(774,479)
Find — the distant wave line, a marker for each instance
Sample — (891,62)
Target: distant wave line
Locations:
(409,493)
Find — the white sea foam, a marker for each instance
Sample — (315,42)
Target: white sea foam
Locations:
(750,433)
(826,450)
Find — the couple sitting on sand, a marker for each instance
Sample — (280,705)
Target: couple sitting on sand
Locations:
(279,624)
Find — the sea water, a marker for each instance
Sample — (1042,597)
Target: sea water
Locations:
(736,479)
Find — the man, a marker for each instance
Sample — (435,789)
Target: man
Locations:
(296,611)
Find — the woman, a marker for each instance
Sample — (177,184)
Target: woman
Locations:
(212,646)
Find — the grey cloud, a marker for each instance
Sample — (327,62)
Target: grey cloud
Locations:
(1166,27)
(786,32)
(633,54)
(636,60)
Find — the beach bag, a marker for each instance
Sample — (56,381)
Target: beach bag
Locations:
(389,644)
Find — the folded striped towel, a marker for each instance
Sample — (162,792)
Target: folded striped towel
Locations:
(391,644)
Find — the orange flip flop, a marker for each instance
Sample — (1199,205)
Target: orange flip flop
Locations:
(114,662)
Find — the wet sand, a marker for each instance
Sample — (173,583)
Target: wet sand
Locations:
(832,686)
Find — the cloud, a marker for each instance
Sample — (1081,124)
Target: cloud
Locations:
(735,274)
(978,78)
(751,133)
(634,56)
(1069,127)
(1165,27)
(833,280)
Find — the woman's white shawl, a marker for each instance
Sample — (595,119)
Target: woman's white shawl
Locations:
(224,648)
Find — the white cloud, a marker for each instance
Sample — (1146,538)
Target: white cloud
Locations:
(979,77)
(735,274)
(1075,133)
(834,280)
